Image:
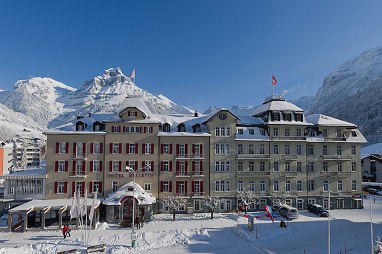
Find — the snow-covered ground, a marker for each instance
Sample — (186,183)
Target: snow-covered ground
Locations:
(226,233)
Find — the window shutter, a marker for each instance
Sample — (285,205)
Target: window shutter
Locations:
(201,149)
(124,128)
(111,147)
(151,129)
(193,167)
(144,129)
(74,148)
(161,186)
(176,187)
(57,147)
(193,148)
(143,149)
(127,148)
(185,187)
(74,168)
(91,166)
(56,167)
(170,166)
(90,187)
(152,148)
(152,166)
(91,148)
(143,165)
(170,148)
(83,168)
(170,186)
(66,166)
(201,167)
(120,147)
(136,165)
(177,149)
(110,166)
(73,188)
(161,166)
(67,148)
(66,187)
(186,149)
(101,147)
(186,167)
(201,186)
(83,188)
(55,187)
(84,147)
(177,167)
(120,166)
(161,148)
(192,186)
(100,166)
(100,187)
(136,148)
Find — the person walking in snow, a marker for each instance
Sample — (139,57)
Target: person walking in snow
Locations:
(65,230)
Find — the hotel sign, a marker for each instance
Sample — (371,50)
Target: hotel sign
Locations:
(130,174)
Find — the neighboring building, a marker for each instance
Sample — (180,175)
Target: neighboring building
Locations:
(27,152)
(5,157)
(372,168)
(277,155)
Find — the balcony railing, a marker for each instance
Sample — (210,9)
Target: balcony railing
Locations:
(289,157)
(335,173)
(289,173)
(78,173)
(198,173)
(253,173)
(335,139)
(288,138)
(190,157)
(197,194)
(252,156)
(181,174)
(78,156)
(335,157)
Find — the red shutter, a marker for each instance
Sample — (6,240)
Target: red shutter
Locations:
(83,189)
(201,149)
(90,187)
(100,166)
(91,148)
(74,168)
(127,148)
(177,149)
(67,148)
(91,166)
(161,148)
(101,147)
(170,148)
(170,166)
(186,167)
(201,167)
(120,166)
(193,148)
(170,186)
(152,166)
(110,166)
(192,186)
(186,149)
(124,128)
(55,187)
(74,148)
(177,167)
(176,187)
(100,187)
(84,147)
(161,186)
(185,187)
(57,147)
(66,187)
(161,166)
(143,165)
(193,167)
(83,168)
(111,148)
(56,167)
(152,148)
(136,148)
(151,129)
(73,187)
(201,186)
(143,149)
(120,147)
(66,166)
(144,129)
(136,165)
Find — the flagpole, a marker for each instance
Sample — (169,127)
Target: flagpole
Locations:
(371,226)
(329,221)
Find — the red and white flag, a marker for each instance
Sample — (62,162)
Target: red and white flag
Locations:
(274,81)
(132,74)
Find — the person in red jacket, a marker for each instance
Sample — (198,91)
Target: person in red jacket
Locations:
(65,230)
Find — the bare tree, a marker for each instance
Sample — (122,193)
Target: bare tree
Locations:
(213,203)
(175,203)
(247,198)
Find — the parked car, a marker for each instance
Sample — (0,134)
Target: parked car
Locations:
(288,212)
(318,209)
(374,191)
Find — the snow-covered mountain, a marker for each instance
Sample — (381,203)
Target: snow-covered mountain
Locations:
(51,103)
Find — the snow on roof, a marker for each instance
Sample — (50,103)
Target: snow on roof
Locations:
(57,203)
(255,136)
(276,105)
(250,120)
(130,189)
(135,102)
(324,120)
(27,173)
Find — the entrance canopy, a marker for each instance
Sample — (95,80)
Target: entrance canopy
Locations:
(130,189)
(37,204)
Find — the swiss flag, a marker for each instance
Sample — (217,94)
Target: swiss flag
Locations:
(132,74)
(274,81)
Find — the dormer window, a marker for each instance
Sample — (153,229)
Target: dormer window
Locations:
(80,126)
(251,132)
(132,114)
(262,132)
(298,117)
(240,131)
(287,117)
(275,116)
(181,127)
(196,128)
(97,126)
(166,127)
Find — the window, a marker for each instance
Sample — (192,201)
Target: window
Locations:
(240,131)
(287,149)
(276,149)
(96,187)
(166,127)
(166,166)
(115,148)
(287,185)
(339,166)
(61,166)
(240,149)
(132,165)
(275,132)
(222,185)
(324,150)
(62,147)
(96,166)
(78,187)
(276,166)
(166,186)
(197,149)
(227,148)
(166,148)
(353,150)
(299,166)
(287,117)
(275,186)
(197,205)
(262,149)
(310,166)
(251,166)
(339,185)
(298,149)
(325,186)
(251,185)
(251,131)
(339,133)
(96,148)
(61,187)
(299,203)
(287,132)
(132,149)
(310,150)
(222,131)
(262,132)
(137,129)
(262,166)
(217,131)
(196,128)
(147,186)
(339,150)
(148,130)
(353,166)
(353,185)
(240,166)
(115,166)
(325,166)
(114,186)
(298,132)
(181,127)
(147,167)
(298,117)
(148,147)
(275,116)
(240,185)
(310,185)
(262,186)
(287,166)
(251,149)
(299,185)
(325,133)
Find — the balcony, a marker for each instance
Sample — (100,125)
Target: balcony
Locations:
(78,156)
(197,194)
(289,173)
(197,173)
(336,157)
(336,139)
(190,157)
(181,174)
(291,138)
(78,173)
(252,156)
(253,173)
(289,157)
(335,173)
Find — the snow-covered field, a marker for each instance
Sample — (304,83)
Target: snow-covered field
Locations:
(226,233)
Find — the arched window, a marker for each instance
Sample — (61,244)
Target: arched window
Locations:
(181,127)
(196,128)
(166,127)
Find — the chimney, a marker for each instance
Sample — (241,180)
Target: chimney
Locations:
(196,114)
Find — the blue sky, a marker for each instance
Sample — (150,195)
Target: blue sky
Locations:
(188,50)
